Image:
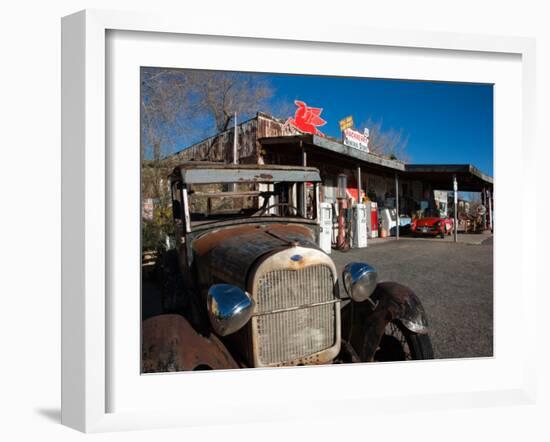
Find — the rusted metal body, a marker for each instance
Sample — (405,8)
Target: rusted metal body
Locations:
(169,343)
(228,254)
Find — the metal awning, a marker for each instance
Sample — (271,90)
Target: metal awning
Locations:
(470,179)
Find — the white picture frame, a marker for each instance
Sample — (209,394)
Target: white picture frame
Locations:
(86,315)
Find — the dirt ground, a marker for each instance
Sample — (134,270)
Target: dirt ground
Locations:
(454,281)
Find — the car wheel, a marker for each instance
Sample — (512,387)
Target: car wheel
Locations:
(400,344)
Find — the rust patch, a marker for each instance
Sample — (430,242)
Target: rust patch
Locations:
(206,243)
(265,176)
(169,343)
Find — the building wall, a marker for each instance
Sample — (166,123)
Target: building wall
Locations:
(220,146)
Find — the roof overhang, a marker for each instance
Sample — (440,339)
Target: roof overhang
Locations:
(469,178)
(335,147)
(439,175)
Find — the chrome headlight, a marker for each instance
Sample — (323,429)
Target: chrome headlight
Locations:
(360,280)
(229,308)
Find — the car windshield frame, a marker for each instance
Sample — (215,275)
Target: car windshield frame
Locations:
(278,201)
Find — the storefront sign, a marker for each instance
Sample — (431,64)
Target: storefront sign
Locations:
(357,140)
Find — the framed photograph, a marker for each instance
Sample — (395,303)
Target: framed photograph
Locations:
(298,223)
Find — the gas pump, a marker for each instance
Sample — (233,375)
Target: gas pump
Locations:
(341,241)
(372,219)
(360,226)
(325,234)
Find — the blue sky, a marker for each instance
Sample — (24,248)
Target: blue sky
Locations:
(446,123)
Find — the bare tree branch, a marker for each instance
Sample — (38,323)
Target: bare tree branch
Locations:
(390,143)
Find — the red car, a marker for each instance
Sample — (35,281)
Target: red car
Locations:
(433,225)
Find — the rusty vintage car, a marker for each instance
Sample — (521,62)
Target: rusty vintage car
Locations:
(248,286)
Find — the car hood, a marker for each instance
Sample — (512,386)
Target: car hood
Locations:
(226,255)
(427,222)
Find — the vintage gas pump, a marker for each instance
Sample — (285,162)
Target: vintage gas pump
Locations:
(360,226)
(372,220)
(341,242)
(325,234)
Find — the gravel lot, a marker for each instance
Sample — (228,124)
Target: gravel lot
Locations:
(453,281)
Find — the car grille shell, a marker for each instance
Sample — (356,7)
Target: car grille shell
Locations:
(297,317)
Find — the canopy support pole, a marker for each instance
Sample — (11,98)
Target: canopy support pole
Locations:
(396,206)
(455,196)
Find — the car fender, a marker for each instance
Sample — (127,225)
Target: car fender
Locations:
(367,320)
(403,304)
(170,343)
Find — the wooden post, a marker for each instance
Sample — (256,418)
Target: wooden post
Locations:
(455,192)
(397,206)
(489,198)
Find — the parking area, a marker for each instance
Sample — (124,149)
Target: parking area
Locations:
(453,280)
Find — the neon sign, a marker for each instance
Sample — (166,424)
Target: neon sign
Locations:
(306,119)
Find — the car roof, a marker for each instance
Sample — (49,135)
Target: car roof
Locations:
(202,172)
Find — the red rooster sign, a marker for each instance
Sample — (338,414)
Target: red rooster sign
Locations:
(306,119)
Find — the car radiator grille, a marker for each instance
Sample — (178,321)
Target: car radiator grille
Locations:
(307,329)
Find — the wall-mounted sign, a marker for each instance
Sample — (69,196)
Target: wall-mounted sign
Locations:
(440,195)
(346,123)
(356,139)
(307,119)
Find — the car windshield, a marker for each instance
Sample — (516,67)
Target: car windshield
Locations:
(435,213)
(210,203)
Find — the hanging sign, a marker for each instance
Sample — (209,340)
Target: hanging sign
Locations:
(357,140)
(346,123)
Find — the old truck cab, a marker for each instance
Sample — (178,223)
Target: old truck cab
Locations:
(255,289)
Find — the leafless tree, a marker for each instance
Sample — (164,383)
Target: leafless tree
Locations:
(165,110)
(182,104)
(220,94)
(389,143)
